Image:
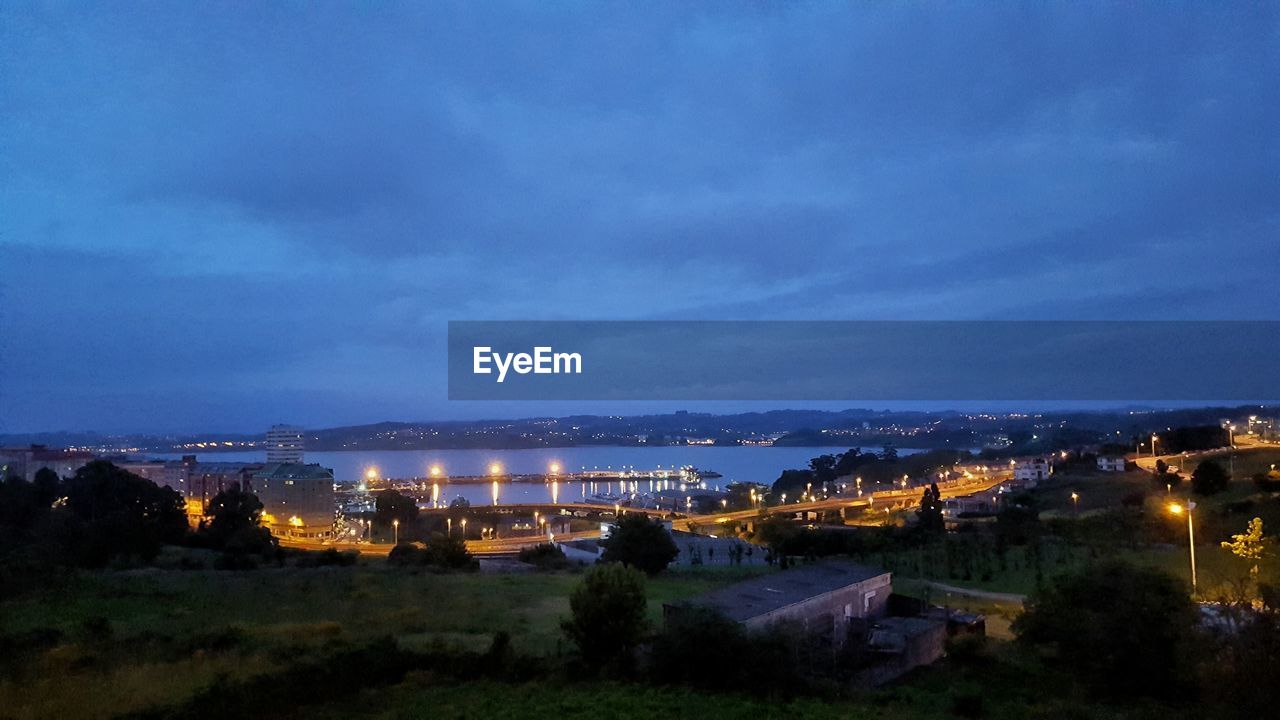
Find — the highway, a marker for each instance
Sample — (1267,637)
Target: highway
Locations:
(512,545)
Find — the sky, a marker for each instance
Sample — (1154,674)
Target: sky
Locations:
(216,216)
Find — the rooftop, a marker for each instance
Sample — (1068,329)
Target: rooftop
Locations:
(294,471)
(764,594)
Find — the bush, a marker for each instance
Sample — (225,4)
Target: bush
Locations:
(608,615)
(545,556)
(704,649)
(641,543)
(967,648)
(445,553)
(1123,628)
(1209,478)
(329,557)
(1267,482)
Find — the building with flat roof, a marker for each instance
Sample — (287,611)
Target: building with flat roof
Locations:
(25,462)
(821,598)
(1032,471)
(297,499)
(284,444)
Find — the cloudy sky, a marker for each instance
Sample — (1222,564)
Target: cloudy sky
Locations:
(217,216)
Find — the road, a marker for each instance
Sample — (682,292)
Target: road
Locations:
(512,545)
(1176,460)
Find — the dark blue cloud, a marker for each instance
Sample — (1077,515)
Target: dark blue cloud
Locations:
(218,215)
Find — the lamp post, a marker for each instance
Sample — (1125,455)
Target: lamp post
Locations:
(395,526)
(1177,509)
(1075,502)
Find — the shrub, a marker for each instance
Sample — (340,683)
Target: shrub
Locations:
(641,543)
(545,556)
(1209,478)
(608,614)
(1125,629)
(1267,482)
(704,649)
(445,553)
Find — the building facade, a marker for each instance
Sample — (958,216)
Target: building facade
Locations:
(298,500)
(284,444)
(1032,471)
(25,462)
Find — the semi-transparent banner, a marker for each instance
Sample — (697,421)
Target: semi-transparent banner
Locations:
(864,360)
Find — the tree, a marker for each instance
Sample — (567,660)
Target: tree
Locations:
(116,513)
(235,523)
(392,505)
(824,468)
(793,481)
(608,614)
(930,512)
(1209,478)
(641,543)
(1248,545)
(1123,628)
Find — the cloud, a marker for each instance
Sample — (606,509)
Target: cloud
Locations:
(276,203)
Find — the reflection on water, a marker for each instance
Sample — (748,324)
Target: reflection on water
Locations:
(748,464)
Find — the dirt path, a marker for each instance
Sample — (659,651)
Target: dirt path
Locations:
(1011,598)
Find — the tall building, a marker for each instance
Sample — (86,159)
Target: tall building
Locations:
(284,444)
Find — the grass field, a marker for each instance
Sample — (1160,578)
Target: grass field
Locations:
(134,639)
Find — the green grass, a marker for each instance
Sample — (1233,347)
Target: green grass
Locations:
(281,614)
(1012,688)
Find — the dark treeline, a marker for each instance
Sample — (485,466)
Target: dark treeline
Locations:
(103,515)
(885,466)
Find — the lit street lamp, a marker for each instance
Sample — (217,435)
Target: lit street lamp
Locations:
(1075,501)
(1177,509)
(395,526)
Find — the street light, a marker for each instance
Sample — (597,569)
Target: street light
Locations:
(464,529)
(1177,509)
(395,525)
(1075,500)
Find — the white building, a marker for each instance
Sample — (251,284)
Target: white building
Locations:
(284,444)
(1032,471)
(1111,463)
